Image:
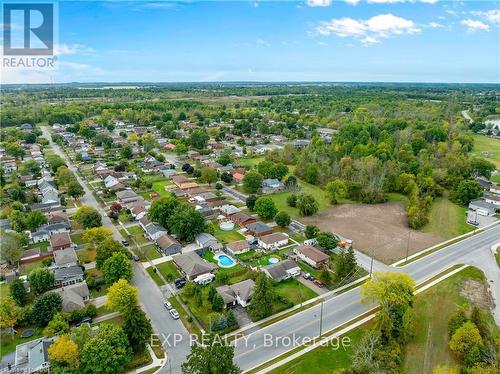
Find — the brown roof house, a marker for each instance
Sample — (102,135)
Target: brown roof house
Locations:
(240,246)
(238,293)
(282,270)
(311,255)
(192,265)
(241,218)
(168,245)
(273,241)
(60,241)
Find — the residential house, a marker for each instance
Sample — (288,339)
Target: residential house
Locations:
(138,212)
(482,207)
(493,199)
(281,270)
(192,266)
(168,245)
(273,241)
(33,356)
(60,241)
(495,189)
(127,196)
(238,247)
(154,230)
(207,241)
(259,229)
(272,185)
(65,257)
(57,217)
(30,255)
(326,133)
(65,276)
(242,219)
(311,256)
(237,294)
(73,296)
(39,236)
(238,177)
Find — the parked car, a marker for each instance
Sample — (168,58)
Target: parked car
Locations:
(306,275)
(318,283)
(135,257)
(174,313)
(167,305)
(180,282)
(84,320)
(125,243)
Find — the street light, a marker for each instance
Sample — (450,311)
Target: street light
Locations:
(320,319)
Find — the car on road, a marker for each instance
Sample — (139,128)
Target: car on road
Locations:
(125,243)
(318,283)
(174,313)
(180,282)
(135,257)
(167,305)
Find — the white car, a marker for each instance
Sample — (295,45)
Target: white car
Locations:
(167,305)
(174,313)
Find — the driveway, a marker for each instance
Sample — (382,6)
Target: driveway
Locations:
(309,284)
(482,220)
(242,316)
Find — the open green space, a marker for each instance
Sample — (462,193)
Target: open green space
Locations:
(226,236)
(86,255)
(152,273)
(168,270)
(146,252)
(495,178)
(9,343)
(447,219)
(487,148)
(320,196)
(77,238)
(43,246)
(159,187)
(294,291)
(250,162)
(137,234)
(25,269)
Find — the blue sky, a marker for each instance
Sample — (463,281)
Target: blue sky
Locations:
(314,40)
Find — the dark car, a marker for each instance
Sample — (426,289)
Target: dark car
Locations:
(125,243)
(180,282)
(135,257)
(84,320)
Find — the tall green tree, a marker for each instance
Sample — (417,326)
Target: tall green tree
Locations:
(162,209)
(263,298)
(336,190)
(215,357)
(265,207)
(88,217)
(138,328)
(35,219)
(41,280)
(186,222)
(118,266)
(252,181)
(44,308)
(307,204)
(18,291)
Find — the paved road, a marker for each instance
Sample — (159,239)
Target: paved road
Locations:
(347,306)
(150,295)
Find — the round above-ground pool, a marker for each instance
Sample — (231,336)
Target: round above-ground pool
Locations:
(224,261)
(273,260)
(226,225)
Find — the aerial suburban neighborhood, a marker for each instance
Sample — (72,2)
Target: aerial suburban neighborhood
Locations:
(247,226)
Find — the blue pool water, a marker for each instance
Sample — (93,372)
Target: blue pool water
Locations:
(225,261)
(273,260)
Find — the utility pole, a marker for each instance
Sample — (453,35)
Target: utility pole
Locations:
(408,246)
(321,320)
(371,265)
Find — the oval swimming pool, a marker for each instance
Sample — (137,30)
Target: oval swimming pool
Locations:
(273,260)
(225,261)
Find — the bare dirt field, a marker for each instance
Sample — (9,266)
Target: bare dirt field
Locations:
(380,228)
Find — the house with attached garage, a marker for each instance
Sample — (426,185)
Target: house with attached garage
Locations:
(482,207)
(272,185)
(60,241)
(168,245)
(154,230)
(207,241)
(192,266)
(127,196)
(65,258)
(237,294)
(65,276)
(282,270)
(33,356)
(273,241)
(493,199)
(74,296)
(259,229)
(311,256)
(238,247)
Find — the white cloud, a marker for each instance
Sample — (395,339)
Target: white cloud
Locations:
(315,3)
(369,31)
(474,25)
(323,44)
(352,2)
(74,49)
(434,25)
(262,42)
(429,1)
(492,16)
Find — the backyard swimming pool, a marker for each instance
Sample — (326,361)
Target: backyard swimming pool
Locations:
(225,261)
(273,260)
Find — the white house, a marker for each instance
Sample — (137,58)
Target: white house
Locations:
(311,255)
(154,230)
(110,181)
(273,241)
(493,199)
(495,188)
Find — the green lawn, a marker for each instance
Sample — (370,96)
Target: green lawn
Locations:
(159,187)
(209,256)
(168,270)
(86,255)
(4,290)
(42,245)
(25,269)
(147,252)
(397,197)
(154,276)
(324,359)
(137,232)
(428,349)
(77,238)
(227,236)
(495,178)
(317,192)
(294,291)
(250,162)
(486,144)
(447,219)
